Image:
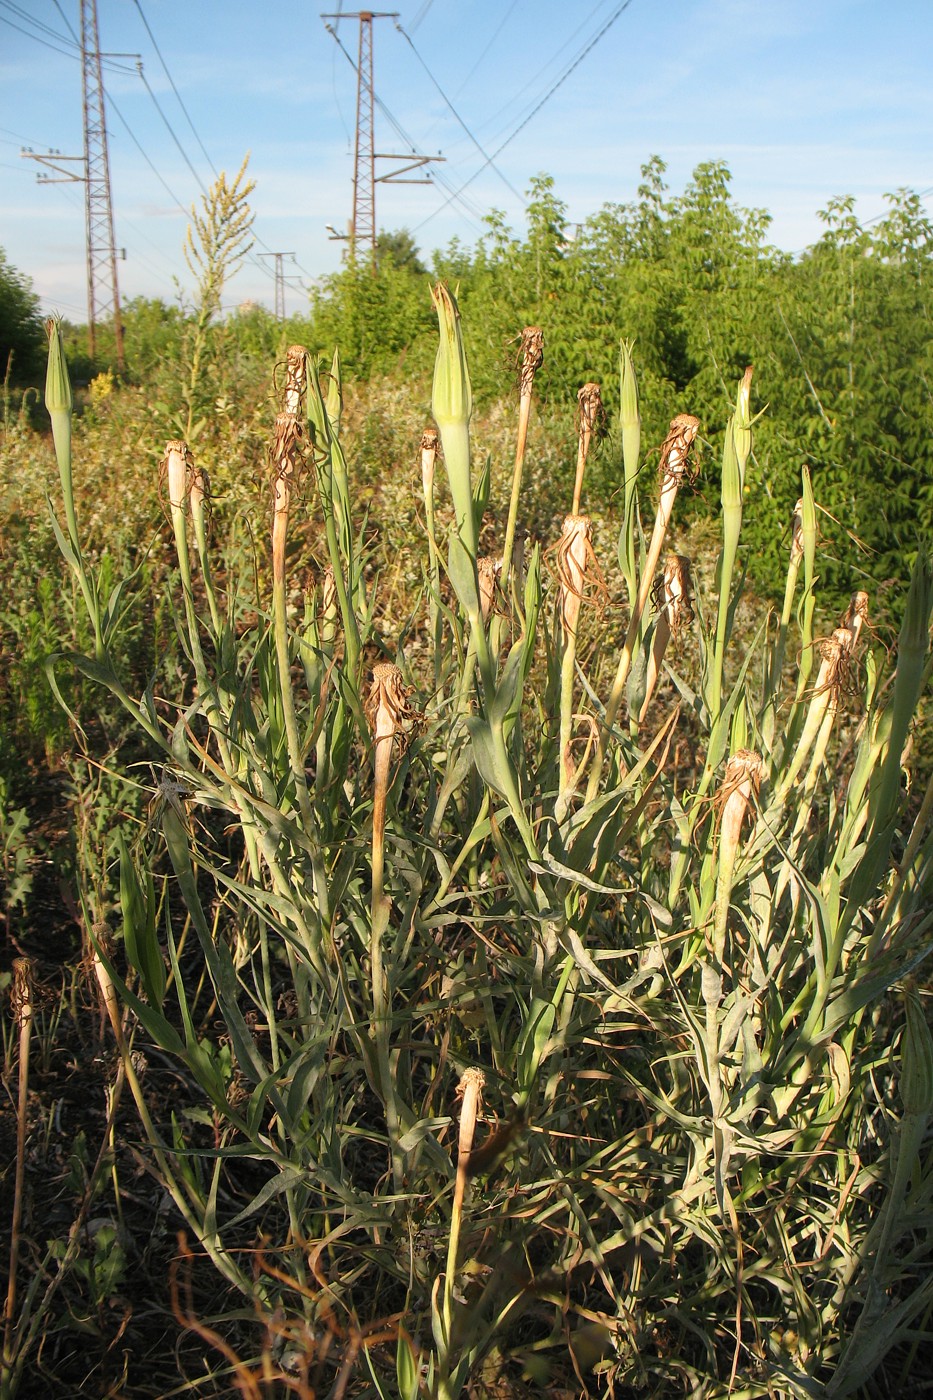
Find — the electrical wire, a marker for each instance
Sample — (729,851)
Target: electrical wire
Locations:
(421,13)
(39,24)
(174,88)
(620,9)
(488,158)
(69,52)
(184,154)
(495,34)
(161,179)
(532,84)
(67,21)
(65,53)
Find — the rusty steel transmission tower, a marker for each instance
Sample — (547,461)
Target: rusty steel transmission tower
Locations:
(103,292)
(279,282)
(362,234)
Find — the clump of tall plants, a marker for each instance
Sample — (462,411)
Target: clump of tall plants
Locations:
(550,981)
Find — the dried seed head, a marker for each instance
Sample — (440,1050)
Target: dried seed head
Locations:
(329,594)
(470,1093)
(286,457)
(676,447)
(741,781)
(796,544)
(835,673)
(488,569)
(578,571)
(532,357)
(591,412)
(21,991)
(295,378)
(387,709)
(673,592)
(856,615)
(591,422)
(176,468)
(745,768)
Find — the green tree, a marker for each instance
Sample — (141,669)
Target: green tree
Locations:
(22,338)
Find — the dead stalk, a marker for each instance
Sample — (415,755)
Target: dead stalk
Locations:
(391,718)
(591,415)
(673,597)
(579,577)
(22,1005)
(741,783)
(674,470)
(532,357)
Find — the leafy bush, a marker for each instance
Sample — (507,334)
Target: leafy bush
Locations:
(22,343)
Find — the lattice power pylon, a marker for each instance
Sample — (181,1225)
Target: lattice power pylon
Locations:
(279,282)
(363,225)
(365,179)
(103,292)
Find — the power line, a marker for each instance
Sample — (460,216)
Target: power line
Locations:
(174,88)
(68,25)
(556,62)
(162,181)
(170,129)
(421,13)
(66,53)
(620,9)
(495,34)
(70,52)
(489,160)
(36,23)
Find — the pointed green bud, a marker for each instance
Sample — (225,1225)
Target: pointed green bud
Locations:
(453,395)
(742,423)
(334,400)
(631,422)
(452,405)
(58,397)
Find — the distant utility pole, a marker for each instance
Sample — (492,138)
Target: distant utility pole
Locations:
(363,222)
(279,282)
(103,293)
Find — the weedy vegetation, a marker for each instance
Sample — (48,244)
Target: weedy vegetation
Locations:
(541,961)
(503,935)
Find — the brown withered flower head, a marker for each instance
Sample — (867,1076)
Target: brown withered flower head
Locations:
(675,449)
(591,413)
(835,673)
(387,706)
(673,592)
(530,357)
(176,471)
(296,380)
(578,572)
(741,782)
(488,569)
(855,616)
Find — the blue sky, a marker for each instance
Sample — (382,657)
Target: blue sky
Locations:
(803,99)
